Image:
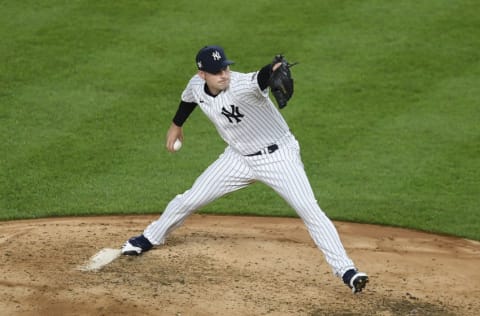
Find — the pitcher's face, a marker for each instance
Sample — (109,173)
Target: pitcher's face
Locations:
(216,82)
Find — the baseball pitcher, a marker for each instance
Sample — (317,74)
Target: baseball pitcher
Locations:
(260,147)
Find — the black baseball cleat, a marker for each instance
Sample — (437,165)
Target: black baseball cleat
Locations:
(136,246)
(355,280)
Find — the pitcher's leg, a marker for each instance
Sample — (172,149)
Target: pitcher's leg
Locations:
(286,175)
(323,233)
(225,175)
(300,196)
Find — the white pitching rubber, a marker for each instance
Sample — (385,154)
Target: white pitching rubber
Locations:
(101,259)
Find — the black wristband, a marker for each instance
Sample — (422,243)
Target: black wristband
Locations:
(183,112)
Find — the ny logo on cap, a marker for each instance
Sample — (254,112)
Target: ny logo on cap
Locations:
(216,55)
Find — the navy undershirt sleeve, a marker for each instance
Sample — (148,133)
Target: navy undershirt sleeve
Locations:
(263,76)
(183,112)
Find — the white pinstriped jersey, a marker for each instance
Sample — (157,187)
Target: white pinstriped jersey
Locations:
(244,115)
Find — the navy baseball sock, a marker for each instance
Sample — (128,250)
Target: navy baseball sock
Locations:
(347,276)
(142,242)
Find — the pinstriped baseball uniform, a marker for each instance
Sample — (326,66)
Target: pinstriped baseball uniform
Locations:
(249,123)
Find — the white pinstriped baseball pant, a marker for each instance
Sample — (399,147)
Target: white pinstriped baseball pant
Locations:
(283,171)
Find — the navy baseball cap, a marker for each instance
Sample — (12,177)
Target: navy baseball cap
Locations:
(212,59)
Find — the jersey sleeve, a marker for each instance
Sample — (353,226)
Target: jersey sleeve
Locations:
(189,95)
(248,87)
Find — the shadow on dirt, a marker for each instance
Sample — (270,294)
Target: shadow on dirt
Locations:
(391,307)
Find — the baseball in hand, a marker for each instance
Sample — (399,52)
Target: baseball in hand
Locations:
(177,145)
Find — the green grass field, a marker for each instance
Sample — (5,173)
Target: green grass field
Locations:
(386,108)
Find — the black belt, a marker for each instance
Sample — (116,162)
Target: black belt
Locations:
(270,149)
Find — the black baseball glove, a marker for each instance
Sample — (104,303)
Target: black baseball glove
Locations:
(281,81)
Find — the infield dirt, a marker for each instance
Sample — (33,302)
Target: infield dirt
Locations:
(223,265)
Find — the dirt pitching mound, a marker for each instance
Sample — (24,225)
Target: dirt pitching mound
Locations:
(222,265)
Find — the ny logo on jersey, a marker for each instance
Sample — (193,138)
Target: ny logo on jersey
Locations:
(216,55)
(235,114)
